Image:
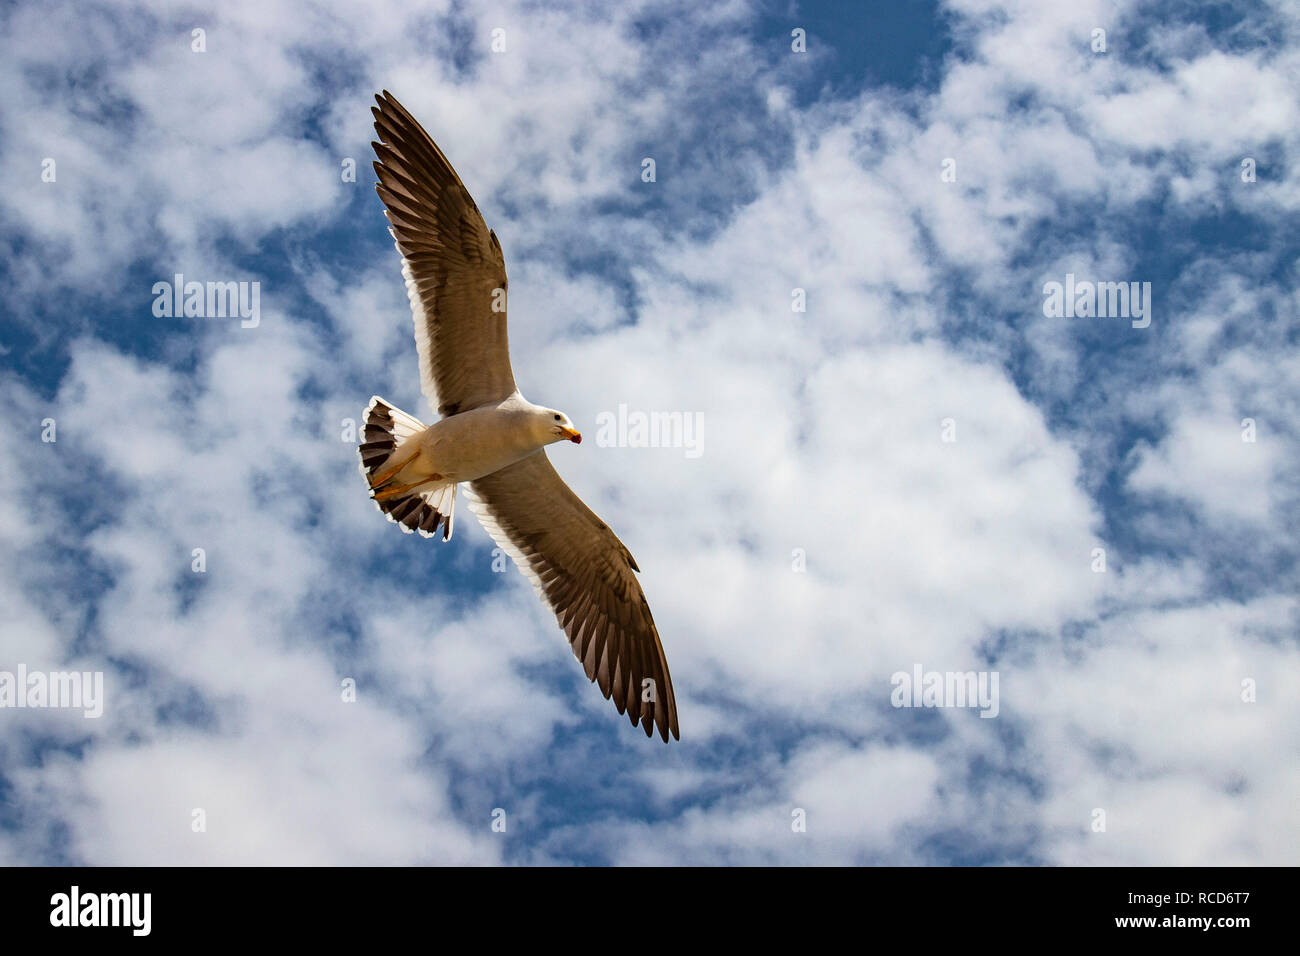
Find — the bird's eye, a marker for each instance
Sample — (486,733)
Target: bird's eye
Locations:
(557,418)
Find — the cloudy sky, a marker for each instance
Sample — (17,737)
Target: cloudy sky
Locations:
(907,462)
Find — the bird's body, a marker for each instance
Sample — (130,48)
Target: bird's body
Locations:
(474,443)
(492,440)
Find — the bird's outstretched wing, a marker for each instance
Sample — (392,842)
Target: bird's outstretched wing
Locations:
(584,574)
(454,269)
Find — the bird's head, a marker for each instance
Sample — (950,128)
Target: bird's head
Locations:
(556,426)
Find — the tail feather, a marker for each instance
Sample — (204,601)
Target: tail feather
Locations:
(386,428)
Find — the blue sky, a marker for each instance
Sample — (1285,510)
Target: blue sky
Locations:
(918,470)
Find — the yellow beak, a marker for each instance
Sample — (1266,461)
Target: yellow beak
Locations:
(570,434)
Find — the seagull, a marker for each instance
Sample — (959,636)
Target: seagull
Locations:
(490,438)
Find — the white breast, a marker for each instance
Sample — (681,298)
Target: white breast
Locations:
(477,443)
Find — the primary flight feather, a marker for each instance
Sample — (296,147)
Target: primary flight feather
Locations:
(492,438)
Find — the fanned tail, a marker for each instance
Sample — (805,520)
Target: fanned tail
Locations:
(385,432)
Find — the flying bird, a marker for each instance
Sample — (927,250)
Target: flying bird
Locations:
(490,438)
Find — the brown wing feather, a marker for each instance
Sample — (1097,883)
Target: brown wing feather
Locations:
(586,576)
(452,263)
